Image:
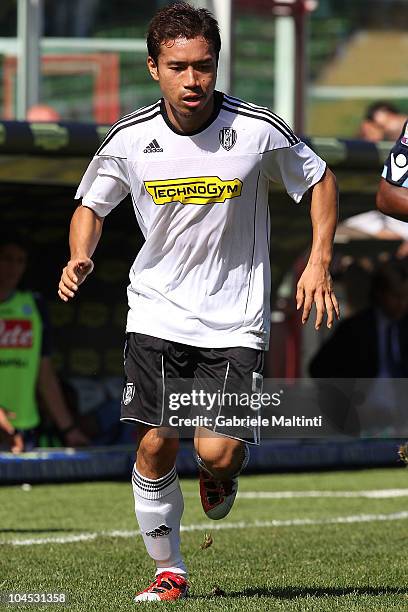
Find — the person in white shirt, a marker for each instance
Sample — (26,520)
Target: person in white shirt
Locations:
(197,164)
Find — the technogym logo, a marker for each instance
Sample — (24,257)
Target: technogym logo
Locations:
(197,190)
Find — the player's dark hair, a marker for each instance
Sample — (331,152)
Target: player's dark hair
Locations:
(381,105)
(181,20)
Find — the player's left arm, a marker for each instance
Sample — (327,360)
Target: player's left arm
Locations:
(315,285)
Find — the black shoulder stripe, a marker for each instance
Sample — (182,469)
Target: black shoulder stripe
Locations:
(139,113)
(265,112)
(253,107)
(262,110)
(121,127)
(291,138)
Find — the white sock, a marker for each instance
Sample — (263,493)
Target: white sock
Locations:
(159,507)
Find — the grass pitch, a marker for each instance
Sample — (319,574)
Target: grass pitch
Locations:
(324,543)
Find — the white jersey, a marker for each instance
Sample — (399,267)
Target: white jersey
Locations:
(202,277)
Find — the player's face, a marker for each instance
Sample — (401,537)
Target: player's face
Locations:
(186,72)
(13,261)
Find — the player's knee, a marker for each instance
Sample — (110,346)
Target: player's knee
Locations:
(156,452)
(224,459)
(155,445)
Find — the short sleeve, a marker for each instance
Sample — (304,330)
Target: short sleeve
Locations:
(395,169)
(104,185)
(296,167)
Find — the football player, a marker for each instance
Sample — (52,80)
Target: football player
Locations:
(197,164)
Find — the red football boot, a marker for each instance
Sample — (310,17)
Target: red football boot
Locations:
(218,496)
(167,586)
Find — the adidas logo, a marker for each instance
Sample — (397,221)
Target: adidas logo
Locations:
(163,530)
(153,147)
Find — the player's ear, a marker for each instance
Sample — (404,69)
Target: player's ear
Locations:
(153,68)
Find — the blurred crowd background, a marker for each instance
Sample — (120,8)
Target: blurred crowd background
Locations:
(355,52)
(93,71)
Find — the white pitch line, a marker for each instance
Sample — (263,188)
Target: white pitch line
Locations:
(370,494)
(84,537)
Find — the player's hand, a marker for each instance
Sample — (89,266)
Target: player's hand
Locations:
(14,440)
(73,275)
(315,286)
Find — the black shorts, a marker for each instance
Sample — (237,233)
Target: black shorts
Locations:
(180,386)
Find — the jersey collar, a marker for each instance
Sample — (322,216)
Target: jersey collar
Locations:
(218,100)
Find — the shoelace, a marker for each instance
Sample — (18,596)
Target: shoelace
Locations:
(165,580)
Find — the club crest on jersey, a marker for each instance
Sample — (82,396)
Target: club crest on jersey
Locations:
(228,137)
(194,190)
(128,393)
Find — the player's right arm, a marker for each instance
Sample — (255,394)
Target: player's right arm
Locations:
(104,185)
(85,232)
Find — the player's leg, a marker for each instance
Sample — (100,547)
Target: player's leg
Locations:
(222,456)
(223,453)
(159,508)
(158,499)
(156,451)
(157,494)
(220,460)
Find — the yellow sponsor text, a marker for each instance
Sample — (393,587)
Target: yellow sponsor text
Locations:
(197,190)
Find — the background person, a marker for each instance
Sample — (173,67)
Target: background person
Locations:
(25,362)
(42,112)
(369,353)
(386,119)
(379,226)
(370,131)
(374,342)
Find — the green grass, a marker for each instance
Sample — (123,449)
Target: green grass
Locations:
(325,567)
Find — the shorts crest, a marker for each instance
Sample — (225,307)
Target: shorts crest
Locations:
(128,393)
